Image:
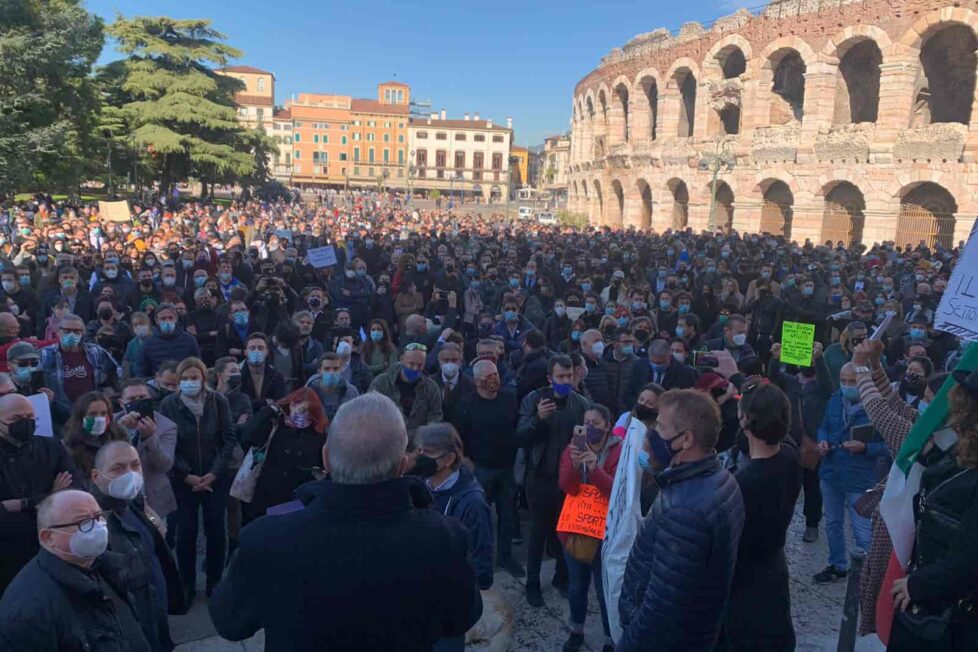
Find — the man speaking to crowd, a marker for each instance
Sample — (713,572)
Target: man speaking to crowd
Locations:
(365,566)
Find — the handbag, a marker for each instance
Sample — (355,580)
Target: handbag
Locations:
(246,479)
(923,624)
(581,547)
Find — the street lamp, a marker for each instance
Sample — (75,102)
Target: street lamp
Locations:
(410,174)
(721,160)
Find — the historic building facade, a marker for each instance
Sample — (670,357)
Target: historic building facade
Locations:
(846,120)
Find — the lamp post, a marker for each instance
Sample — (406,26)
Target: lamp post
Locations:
(410,175)
(721,160)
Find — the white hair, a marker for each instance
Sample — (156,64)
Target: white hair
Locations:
(366,441)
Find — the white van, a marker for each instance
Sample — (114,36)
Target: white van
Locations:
(546,218)
(525,212)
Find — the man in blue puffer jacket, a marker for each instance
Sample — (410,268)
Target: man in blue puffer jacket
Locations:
(848,469)
(680,569)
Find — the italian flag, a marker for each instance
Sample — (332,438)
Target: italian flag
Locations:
(896,506)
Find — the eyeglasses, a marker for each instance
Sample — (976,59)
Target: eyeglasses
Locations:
(25,364)
(415,346)
(84,525)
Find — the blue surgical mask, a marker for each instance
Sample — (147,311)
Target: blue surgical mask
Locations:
(514,282)
(665,305)
(586,287)
(680,331)
(509,315)
(590,307)
(917,334)
(683,308)
(622,322)
(377,336)
(167,327)
(256,357)
(560,389)
(658,368)
(850,392)
(808,291)
(190,387)
(645,461)
(609,310)
(575,336)
(70,340)
(241,318)
(411,375)
(330,378)
(199,281)
(627,350)
(422,267)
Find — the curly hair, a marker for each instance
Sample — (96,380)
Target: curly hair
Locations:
(963,417)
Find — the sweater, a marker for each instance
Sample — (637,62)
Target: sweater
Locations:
(488,429)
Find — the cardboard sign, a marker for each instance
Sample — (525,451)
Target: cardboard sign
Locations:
(796,343)
(321,256)
(43,425)
(958,312)
(115,211)
(586,513)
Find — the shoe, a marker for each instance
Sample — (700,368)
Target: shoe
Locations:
(811,534)
(830,574)
(533,595)
(512,567)
(574,642)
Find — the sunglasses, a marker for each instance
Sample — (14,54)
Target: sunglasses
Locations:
(415,346)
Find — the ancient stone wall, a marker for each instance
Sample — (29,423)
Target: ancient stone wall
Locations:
(819,119)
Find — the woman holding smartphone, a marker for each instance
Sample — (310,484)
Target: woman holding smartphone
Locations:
(590,459)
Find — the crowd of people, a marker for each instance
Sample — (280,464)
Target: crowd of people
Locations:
(368,407)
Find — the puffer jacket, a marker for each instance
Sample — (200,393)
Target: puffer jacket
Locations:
(466,501)
(203,445)
(596,382)
(619,377)
(680,569)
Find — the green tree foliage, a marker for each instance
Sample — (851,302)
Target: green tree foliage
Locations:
(179,111)
(48,101)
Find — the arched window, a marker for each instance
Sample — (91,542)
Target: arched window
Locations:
(946,85)
(857,92)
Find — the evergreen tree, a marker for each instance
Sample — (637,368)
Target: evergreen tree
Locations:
(181,113)
(48,101)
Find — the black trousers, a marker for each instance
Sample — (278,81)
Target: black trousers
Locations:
(545,500)
(813,497)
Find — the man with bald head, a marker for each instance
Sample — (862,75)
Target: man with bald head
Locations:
(486,421)
(365,565)
(30,468)
(67,598)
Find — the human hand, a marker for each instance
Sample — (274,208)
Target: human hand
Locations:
(901,594)
(191,329)
(823,448)
(726,365)
(860,356)
(854,447)
(61,481)
(545,408)
(205,483)
(11,505)
(588,459)
(345,292)
(129,420)
(146,427)
(776,350)
(875,353)
(49,393)
(242,419)
(192,480)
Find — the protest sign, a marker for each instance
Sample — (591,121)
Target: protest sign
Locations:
(958,312)
(43,426)
(322,256)
(585,513)
(114,211)
(796,343)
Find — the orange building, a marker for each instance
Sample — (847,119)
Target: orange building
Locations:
(339,140)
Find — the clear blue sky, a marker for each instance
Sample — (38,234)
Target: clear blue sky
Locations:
(499,59)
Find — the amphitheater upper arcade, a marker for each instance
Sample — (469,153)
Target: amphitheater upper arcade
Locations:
(841,119)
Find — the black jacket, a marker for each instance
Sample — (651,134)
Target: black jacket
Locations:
(618,375)
(29,474)
(596,382)
(532,374)
(463,387)
(386,553)
(54,606)
(548,438)
(272,386)
(676,376)
(159,348)
(203,446)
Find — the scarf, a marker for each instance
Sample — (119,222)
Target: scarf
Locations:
(194,403)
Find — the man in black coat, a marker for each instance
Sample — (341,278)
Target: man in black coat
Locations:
(452,384)
(532,373)
(30,468)
(365,565)
(661,368)
(70,596)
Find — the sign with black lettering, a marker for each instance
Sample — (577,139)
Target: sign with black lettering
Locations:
(958,312)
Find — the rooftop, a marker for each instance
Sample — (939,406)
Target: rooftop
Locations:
(247,69)
(261,100)
(394,83)
(359,105)
(458,124)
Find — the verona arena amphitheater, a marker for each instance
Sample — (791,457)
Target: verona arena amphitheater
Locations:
(848,120)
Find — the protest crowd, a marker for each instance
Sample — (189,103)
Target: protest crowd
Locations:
(362,408)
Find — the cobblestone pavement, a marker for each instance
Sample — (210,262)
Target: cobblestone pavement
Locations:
(817,610)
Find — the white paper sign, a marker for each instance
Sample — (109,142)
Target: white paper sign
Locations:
(958,312)
(321,256)
(43,426)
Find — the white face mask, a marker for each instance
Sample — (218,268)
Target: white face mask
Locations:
(127,486)
(598,349)
(91,544)
(343,349)
(449,369)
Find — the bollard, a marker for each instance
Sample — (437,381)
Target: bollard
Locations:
(850,608)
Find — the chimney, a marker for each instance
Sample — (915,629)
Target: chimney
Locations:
(434,116)
(466,117)
(488,123)
(509,123)
(444,114)
(476,117)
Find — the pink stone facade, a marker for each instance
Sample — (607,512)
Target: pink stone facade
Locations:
(823,120)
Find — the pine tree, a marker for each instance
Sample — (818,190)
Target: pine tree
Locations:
(181,112)
(48,102)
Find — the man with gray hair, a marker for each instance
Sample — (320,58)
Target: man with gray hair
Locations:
(364,565)
(662,369)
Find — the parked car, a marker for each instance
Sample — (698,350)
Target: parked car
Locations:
(525,212)
(546,218)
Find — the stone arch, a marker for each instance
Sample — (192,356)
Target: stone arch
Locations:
(622,109)
(795,43)
(927,212)
(843,217)
(777,207)
(645,98)
(714,57)
(945,87)
(682,76)
(599,200)
(722,203)
(926,25)
(645,202)
(839,44)
(787,89)
(602,105)
(679,192)
(857,88)
(618,208)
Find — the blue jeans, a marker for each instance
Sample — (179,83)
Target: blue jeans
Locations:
(837,503)
(580,575)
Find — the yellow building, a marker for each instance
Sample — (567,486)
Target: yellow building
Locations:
(256,103)
(520,165)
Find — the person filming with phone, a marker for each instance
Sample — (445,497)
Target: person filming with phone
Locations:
(849,446)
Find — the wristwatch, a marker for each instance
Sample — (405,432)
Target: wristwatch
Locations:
(863,369)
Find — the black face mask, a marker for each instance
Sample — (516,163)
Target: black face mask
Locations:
(485,330)
(105,313)
(641,336)
(645,413)
(914,384)
(425,466)
(234,382)
(17,433)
